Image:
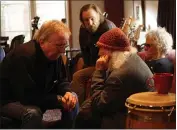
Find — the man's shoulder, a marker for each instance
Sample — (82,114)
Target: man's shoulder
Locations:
(106,25)
(109,23)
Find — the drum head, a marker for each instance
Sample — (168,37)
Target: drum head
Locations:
(152,99)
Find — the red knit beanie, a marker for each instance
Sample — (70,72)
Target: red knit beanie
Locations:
(114,39)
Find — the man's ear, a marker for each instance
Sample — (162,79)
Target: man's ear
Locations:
(41,42)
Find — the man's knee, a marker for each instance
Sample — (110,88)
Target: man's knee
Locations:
(33,113)
(70,115)
(32,118)
(81,76)
(76,109)
(77,76)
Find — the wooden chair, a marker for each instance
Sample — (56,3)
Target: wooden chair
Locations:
(2,54)
(16,41)
(171,55)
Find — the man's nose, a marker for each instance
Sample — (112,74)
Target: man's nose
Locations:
(90,22)
(146,48)
(99,53)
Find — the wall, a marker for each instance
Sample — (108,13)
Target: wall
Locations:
(75,22)
(151,13)
(151,7)
(115,11)
(128,8)
(75,5)
(150,10)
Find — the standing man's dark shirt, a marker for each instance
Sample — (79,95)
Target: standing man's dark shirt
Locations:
(88,42)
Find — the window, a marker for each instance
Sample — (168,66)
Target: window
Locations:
(16,16)
(15,19)
(47,10)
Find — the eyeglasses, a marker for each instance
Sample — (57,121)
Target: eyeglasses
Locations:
(147,45)
(59,45)
(62,45)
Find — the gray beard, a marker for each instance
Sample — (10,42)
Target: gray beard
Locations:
(117,60)
(92,30)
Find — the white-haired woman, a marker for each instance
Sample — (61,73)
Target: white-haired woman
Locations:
(158,43)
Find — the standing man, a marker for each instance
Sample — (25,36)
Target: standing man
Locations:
(93,26)
(33,78)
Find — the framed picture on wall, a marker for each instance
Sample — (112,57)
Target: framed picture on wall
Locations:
(138,10)
(137,15)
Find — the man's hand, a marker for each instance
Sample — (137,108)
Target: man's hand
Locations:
(69,101)
(102,63)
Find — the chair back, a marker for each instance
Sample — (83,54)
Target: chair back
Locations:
(171,55)
(2,54)
(17,40)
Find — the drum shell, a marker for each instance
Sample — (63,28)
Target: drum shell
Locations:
(150,110)
(147,118)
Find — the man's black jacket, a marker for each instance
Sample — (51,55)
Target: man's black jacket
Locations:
(88,42)
(27,76)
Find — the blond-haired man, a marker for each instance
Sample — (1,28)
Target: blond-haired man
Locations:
(33,78)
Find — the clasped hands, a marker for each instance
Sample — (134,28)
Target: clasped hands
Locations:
(69,101)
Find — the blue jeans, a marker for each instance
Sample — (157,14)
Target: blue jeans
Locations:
(68,118)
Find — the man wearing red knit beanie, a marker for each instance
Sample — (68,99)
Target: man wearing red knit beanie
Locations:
(120,72)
